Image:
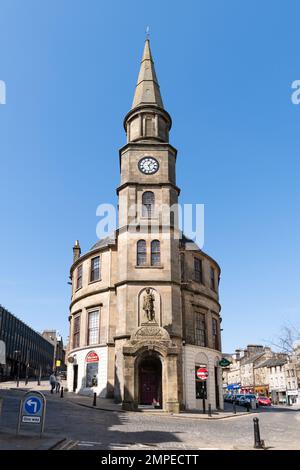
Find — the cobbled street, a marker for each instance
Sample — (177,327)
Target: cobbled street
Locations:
(87,428)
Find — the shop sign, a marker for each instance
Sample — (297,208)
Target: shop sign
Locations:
(92,357)
(224,362)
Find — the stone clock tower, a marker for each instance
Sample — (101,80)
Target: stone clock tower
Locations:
(147,191)
(144,314)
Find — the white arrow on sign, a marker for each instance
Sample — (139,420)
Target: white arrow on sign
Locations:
(34,404)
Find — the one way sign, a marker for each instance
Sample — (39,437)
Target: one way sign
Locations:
(33,405)
(32,410)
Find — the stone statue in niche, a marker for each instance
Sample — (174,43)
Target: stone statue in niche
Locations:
(148,305)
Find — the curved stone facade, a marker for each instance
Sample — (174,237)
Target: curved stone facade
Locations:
(145,310)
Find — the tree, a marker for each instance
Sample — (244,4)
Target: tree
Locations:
(286,339)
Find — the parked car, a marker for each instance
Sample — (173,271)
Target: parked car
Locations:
(229,397)
(264,401)
(238,396)
(247,399)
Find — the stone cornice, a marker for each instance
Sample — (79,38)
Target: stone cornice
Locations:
(147,146)
(135,183)
(144,108)
(89,294)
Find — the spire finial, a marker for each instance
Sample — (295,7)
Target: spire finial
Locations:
(147,33)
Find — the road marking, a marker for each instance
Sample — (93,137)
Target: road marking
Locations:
(208,448)
(68,445)
(91,442)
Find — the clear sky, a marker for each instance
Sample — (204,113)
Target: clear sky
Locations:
(225,69)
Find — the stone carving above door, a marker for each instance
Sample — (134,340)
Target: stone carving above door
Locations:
(150,332)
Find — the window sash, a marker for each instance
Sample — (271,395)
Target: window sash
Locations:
(148,204)
(198,269)
(93,327)
(212,278)
(95,269)
(200,329)
(141,253)
(215,333)
(79,277)
(76,332)
(155,253)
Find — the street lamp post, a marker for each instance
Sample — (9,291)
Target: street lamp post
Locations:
(27,367)
(40,374)
(18,354)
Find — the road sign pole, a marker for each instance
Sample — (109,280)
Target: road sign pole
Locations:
(43,418)
(19,418)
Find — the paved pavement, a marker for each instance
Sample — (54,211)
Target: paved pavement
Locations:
(94,429)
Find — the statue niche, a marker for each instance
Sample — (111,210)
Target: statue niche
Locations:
(149,307)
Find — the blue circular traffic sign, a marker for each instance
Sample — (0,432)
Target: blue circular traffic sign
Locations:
(32,405)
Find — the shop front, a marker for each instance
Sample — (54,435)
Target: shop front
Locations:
(278,396)
(87,371)
(292,397)
(262,390)
(247,389)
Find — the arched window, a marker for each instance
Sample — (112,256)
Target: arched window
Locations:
(155,253)
(148,203)
(141,253)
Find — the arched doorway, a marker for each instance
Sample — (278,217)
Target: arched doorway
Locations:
(150,381)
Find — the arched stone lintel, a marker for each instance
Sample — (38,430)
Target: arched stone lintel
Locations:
(142,347)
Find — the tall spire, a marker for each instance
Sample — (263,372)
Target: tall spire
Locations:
(147,88)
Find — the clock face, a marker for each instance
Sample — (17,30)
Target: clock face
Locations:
(148,165)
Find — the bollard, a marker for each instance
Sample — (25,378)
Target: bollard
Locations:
(258,444)
(94,399)
(248,406)
(234,407)
(209,409)
(203,405)
(62,392)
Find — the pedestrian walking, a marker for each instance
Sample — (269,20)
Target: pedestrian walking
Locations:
(52,381)
(57,384)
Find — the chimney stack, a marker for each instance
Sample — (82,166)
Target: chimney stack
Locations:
(76,251)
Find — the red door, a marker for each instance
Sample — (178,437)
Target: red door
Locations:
(149,387)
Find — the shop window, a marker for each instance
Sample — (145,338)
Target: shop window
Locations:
(92,374)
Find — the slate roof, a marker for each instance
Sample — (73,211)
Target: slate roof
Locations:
(272,362)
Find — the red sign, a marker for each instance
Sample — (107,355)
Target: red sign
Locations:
(202,373)
(92,357)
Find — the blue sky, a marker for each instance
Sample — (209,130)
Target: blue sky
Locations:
(225,69)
